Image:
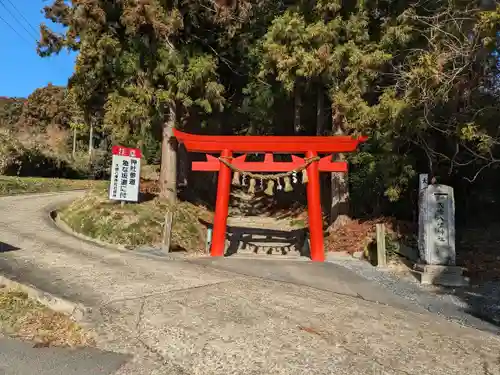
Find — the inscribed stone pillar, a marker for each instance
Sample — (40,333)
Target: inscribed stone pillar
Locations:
(423,181)
(437,225)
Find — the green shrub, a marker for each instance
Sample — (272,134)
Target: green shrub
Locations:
(98,168)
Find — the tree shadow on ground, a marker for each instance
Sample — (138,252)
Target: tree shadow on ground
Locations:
(479,301)
(6,248)
(478,252)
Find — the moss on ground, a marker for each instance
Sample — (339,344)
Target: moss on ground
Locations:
(135,224)
(27,319)
(298,223)
(22,185)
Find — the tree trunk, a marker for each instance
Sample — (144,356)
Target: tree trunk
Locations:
(74,143)
(140,144)
(297,126)
(320,129)
(91,139)
(339,209)
(168,169)
(320,111)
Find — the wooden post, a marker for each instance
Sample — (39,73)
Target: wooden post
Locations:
(167,231)
(314,211)
(221,207)
(381,251)
(209,239)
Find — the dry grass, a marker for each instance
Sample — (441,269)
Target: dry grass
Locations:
(27,319)
(21,185)
(136,224)
(150,172)
(351,237)
(358,235)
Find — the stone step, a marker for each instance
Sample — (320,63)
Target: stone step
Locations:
(269,251)
(243,244)
(265,242)
(262,222)
(264,247)
(267,256)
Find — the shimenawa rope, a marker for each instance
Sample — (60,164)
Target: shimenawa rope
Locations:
(270,178)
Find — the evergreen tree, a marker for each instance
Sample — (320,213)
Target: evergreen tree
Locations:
(138,65)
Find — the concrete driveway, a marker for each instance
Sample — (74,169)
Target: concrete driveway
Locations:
(235,316)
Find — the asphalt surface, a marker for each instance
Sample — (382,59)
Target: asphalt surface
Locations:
(21,358)
(232,316)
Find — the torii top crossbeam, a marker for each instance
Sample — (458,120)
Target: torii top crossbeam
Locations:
(285,144)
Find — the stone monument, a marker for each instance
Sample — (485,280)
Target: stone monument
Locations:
(436,240)
(437,225)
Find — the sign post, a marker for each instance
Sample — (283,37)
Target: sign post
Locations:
(125,174)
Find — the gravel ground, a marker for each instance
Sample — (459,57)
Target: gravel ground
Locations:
(476,306)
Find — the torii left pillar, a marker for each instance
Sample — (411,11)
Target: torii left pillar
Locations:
(314,211)
(221,207)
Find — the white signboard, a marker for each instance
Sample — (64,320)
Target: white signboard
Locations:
(125,174)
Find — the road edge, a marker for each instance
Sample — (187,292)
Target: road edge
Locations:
(56,222)
(76,311)
(61,225)
(42,194)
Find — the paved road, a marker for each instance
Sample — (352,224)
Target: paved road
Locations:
(235,316)
(21,358)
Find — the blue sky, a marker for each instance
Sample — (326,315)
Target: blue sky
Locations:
(21,69)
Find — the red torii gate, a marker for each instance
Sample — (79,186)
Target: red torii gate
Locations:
(310,146)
